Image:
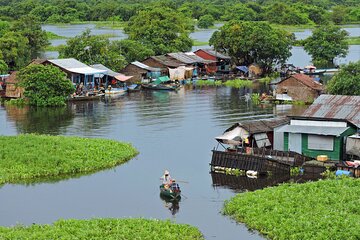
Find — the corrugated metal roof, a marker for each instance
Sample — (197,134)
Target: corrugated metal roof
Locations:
(326,131)
(188,58)
(75,66)
(110,72)
(167,61)
(67,63)
(262,125)
(306,80)
(216,53)
(335,107)
(146,67)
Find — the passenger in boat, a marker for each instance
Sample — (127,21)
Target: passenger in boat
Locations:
(166,179)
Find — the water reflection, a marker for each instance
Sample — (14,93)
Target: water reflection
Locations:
(244,183)
(40,120)
(171,204)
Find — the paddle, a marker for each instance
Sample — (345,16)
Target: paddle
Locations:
(184,196)
(181,181)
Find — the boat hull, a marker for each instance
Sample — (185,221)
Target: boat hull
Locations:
(167,193)
(160,87)
(86,98)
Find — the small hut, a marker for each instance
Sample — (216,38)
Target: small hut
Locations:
(221,62)
(12,88)
(164,62)
(298,87)
(141,71)
(254,133)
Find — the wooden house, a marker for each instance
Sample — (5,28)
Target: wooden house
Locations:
(298,87)
(220,64)
(253,133)
(163,62)
(322,128)
(110,77)
(191,60)
(77,71)
(12,88)
(141,71)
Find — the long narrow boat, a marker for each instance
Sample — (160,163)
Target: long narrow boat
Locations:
(86,98)
(160,87)
(170,193)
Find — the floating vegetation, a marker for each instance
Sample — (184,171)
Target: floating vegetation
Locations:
(295,171)
(16,102)
(239,83)
(32,157)
(104,229)
(326,209)
(230,171)
(255,98)
(328,174)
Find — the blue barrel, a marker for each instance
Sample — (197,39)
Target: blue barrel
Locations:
(343,172)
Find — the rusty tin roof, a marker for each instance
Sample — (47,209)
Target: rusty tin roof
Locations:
(336,107)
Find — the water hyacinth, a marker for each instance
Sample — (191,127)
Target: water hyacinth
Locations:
(104,229)
(29,157)
(327,209)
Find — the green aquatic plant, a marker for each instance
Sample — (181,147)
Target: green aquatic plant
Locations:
(326,209)
(16,102)
(234,171)
(328,174)
(239,83)
(32,157)
(255,98)
(104,229)
(294,171)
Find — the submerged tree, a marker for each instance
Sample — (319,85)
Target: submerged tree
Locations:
(45,85)
(326,43)
(15,51)
(347,81)
(163,30)
(253,42)
(131,50)
(206,21)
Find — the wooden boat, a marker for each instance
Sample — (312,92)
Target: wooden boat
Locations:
(160,87)
(134,88)
(86,98)
(170,193)
(115,91)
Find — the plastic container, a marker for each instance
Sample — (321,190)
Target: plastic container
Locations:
(343,172)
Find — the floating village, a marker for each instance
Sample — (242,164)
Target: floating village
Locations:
(325,136)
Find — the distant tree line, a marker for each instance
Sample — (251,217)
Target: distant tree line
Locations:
(279,12)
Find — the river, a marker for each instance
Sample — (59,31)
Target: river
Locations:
(171,130)
(299,56)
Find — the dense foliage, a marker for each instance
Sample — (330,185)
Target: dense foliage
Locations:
(326,209)
(346,81)
(104,229)
(284,11)
(162,30)
(45,85)
(31,157)
(3,67)
(253,42)
(206,21)
(326,43)
(21,41)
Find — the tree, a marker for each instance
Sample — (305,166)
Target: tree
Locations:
(14,48)
(346,81)
(92,49)
(326,43)
(131,50)
(206,21)
(3,67)
(45,85)
(86,48)
(253,42)
(30,27)
(162,30)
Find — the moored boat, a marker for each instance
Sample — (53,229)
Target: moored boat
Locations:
(172,192)
(172,87)
(86,98)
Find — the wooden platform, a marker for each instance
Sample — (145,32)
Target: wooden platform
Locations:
(243,161)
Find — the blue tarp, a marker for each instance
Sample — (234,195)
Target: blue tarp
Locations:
(243,68)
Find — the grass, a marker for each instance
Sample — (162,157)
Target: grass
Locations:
(327,209)
(29,157)
(294,28)
(199,43)
(238,83)
(52,36)
(104,229)
(54,48)
(353,40)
